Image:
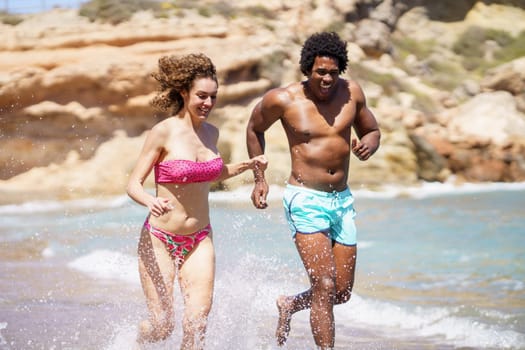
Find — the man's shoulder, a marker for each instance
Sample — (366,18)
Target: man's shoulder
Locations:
(284,94)
(354,87)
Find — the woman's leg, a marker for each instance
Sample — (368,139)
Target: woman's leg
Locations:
(196,279)
(157,275)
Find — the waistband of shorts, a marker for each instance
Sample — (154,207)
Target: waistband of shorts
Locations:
(345,192)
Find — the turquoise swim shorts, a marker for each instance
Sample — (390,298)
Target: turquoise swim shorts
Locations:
(312,211)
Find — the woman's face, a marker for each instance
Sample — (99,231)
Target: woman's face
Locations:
(201,98)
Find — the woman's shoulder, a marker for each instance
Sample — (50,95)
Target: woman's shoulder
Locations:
(162,132)
(161,129)
(168,126)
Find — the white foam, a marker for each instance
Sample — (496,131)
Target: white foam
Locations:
(439,323)
(418,191)
(365,244)
(123,338)
(108,265)
(48,252)
(49,206)
(509,284)
(242,195)
(253,297)
(3,342)
(433,189)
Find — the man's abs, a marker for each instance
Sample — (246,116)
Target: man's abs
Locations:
(322,166)
(320,179)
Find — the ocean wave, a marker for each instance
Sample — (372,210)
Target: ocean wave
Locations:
(447,325)
(442,324)
(108,265)
(243,193)
(50,206)
(436,189)
(419,191)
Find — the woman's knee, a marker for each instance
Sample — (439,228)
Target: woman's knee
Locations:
(156,332)
(166,329)
(197,318)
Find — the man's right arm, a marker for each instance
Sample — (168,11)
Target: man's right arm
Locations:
(264,114)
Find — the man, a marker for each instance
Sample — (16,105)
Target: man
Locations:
(317,115)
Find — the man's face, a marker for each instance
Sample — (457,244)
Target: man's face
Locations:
(324,76)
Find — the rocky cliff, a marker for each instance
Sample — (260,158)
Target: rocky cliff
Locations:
(74,94)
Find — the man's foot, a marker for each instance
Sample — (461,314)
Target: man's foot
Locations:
(285,316)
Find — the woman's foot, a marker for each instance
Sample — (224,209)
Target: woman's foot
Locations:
(284,306)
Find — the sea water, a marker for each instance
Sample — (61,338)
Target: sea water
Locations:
(438,267)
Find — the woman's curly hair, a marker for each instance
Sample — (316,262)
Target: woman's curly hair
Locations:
(176,74)
(323,44)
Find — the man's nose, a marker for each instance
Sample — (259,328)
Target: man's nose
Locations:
(327,77)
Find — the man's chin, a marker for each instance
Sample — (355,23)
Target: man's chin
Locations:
(325,93)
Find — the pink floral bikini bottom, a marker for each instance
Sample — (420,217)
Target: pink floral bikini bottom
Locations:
(178,245)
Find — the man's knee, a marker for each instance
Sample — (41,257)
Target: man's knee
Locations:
(325,284)
(342,297)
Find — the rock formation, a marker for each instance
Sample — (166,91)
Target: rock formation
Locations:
(74,95)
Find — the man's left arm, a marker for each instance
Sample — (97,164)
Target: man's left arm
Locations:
(366,128)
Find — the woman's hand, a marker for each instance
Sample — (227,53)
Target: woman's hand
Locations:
(159,206)
(259,163)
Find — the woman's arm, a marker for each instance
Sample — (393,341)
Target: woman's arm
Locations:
(151,151)
(234,169)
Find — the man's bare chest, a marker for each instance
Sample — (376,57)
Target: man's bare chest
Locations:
(311,120)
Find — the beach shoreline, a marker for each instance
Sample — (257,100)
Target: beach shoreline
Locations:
(242,193)
(435,270)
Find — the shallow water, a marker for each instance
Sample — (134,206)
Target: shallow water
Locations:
(438,268)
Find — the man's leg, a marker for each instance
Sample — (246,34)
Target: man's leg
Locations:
(315,251)
(345,260)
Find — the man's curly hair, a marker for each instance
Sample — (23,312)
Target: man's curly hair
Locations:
(323,44)
(176,74)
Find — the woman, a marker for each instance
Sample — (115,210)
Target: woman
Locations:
(176,238)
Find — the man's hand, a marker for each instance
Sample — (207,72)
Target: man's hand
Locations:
(361,150)
(259,194)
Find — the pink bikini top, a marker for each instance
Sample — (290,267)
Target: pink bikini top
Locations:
(180,171)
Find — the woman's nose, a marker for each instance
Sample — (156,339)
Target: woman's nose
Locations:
(208,101)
